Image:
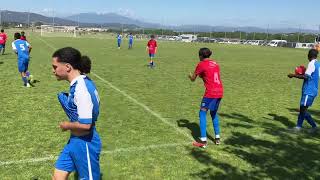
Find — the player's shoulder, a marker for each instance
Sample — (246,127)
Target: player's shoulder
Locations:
(16,41)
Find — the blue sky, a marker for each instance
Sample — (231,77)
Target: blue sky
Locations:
(260,13)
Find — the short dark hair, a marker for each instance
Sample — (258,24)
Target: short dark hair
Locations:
(313,54)
(74,58)
(152,36)
(22,32)
(17,35)
(205,52)
(2,30)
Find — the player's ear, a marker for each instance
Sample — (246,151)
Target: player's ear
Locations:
(69,67)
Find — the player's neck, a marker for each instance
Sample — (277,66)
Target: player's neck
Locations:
(73,75)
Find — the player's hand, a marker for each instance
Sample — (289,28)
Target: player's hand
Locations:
(290,75)
(64,126)
(190,76)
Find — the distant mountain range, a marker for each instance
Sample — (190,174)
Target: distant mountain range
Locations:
(113,20)
(109,18)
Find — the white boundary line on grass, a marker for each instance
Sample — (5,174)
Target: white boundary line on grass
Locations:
(142,148)
(119,150)
(145,107)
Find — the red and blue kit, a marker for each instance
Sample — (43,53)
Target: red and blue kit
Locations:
(209,71)
(152,45)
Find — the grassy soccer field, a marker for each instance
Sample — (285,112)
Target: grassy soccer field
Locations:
(149,117)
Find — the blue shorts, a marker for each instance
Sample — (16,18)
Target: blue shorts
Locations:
(306,100)
(151,55)
(81,154)
(23,65)
(210,103)
(2,46)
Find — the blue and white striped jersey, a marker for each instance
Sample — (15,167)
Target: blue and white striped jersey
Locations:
(22,48)
(310,85)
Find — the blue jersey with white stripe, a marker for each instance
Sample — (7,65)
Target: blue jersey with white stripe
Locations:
(22,49)
(82,103)
(310,85)
(119,38)
(130,39)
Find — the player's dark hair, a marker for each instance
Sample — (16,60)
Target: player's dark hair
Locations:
(74,58)
(2,30)
(22,33)
(313,54)
(152,36)
(205,52)
(17,35)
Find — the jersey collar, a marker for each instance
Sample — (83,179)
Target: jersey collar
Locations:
(76,79)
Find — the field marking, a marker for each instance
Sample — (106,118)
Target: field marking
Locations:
(119,150)
(145,107)
(142,148)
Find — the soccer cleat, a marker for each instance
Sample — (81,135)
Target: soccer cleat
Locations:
(30,78)
(202,144)
(28,85)
(295,129)
(217,141)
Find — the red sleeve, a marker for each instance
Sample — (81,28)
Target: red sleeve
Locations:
(148,43)
(199,69)
(155,43)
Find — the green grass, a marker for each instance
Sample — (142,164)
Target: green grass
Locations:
(259,105)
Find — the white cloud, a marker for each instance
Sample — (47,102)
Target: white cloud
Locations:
(126,12)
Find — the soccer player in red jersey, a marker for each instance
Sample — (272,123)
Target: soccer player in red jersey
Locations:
(152,47)
(23,36)
(3,40)
(209,71)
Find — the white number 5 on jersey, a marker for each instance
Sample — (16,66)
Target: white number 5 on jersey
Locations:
(22,47)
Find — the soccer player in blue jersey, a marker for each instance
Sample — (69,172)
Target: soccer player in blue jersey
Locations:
(130,40)
(22,49)
(81,104)
(309,90)
(119,39)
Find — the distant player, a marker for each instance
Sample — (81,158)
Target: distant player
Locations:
(3,40)
(152,49)
(81,105)
(22,49)
(309,90)
(130,40)
(23,36)
(209,71)
(119,39)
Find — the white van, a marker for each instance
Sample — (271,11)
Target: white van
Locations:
(274,43)
(188,37)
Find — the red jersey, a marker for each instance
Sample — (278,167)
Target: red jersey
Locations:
(23,38)
(152,45)
(209,71)
(3,38)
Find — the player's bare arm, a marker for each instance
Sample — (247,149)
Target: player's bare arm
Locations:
(74,126)
(298,76)
(193,76)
